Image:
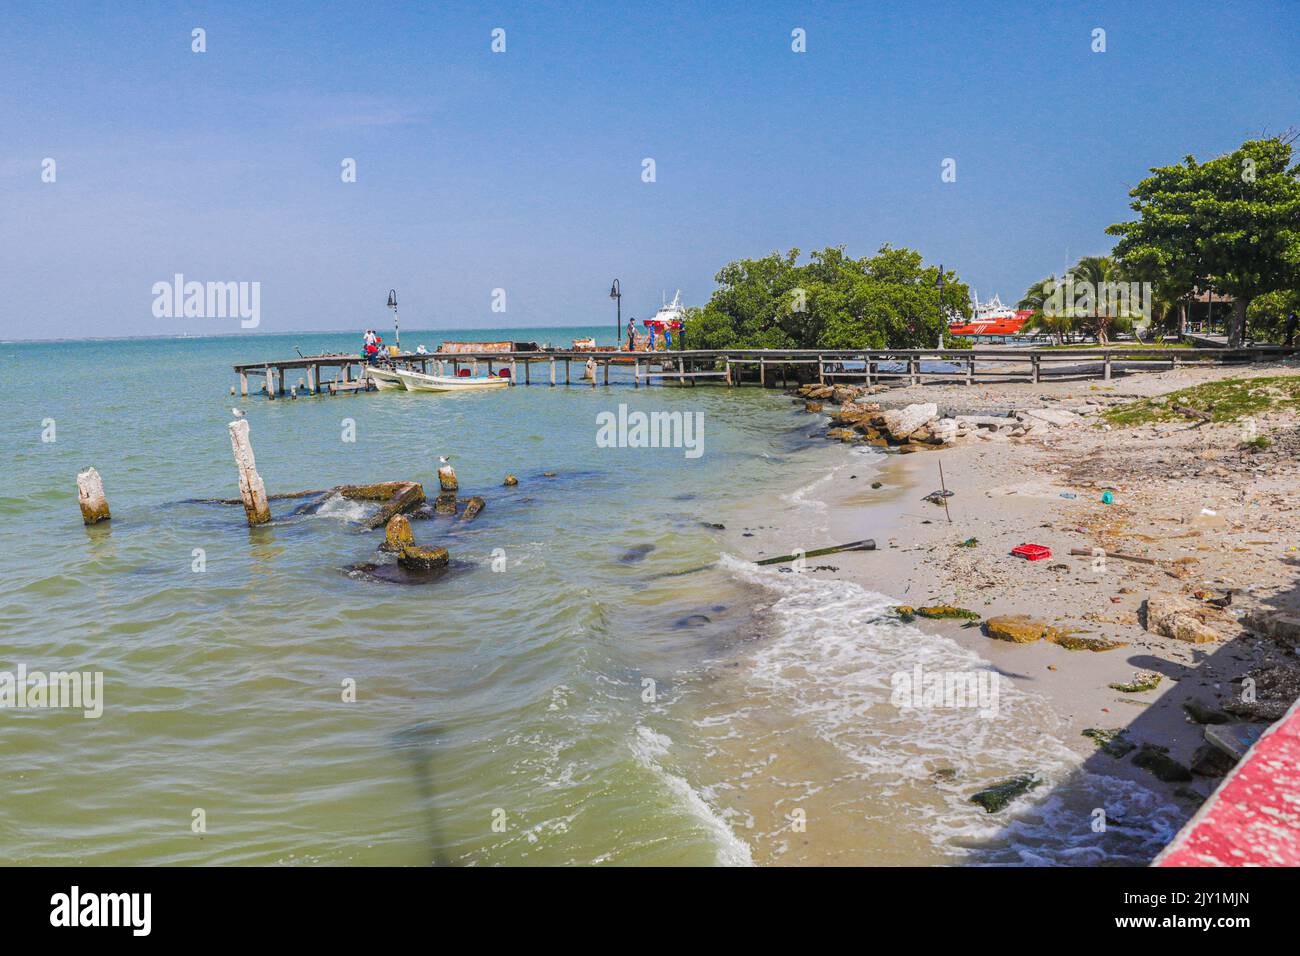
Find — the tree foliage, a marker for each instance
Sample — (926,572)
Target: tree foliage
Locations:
(889,300)
(1231,225)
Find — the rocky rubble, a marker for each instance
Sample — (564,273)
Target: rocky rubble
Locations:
(920,424)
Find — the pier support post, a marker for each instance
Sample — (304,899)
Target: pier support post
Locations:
(866,367)
(636,375)
(312,372)
(970,370)
(514,368)
(914,369)
(1037,371)
(243,385)
(270,383)
(762,372)
(593,378)
(90,495)
(251,489)
(552,371)
(728,373)
(821,370)
(566,372)
(1105,367)
(527,365)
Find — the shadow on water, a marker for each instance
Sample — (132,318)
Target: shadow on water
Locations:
(1213,678)
(416,744)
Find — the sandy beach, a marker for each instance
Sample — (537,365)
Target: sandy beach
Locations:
(1215,518)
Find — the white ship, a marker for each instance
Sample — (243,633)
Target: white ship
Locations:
(671,315)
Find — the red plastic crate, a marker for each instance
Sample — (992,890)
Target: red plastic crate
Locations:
(1032,552)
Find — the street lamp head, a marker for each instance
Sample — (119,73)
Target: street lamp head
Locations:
(614,291)
(392,299)
(939,282)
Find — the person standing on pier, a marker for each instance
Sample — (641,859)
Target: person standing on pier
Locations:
(631,334)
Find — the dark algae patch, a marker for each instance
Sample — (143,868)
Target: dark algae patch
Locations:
(1110,742)
(996,797)
(1156,759)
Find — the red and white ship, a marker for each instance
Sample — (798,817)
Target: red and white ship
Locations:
(992,318)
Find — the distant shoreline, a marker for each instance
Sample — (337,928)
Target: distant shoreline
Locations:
(267,334)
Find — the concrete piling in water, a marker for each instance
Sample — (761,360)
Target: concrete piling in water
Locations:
(447,478)
(90,495)
(251,489)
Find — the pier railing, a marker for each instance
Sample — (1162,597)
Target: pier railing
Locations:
(765,367)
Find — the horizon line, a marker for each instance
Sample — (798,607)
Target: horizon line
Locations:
(248,333)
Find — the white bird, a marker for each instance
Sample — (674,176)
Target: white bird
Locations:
(237,412)
(443,459)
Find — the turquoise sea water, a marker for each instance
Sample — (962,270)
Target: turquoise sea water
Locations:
(510,697)
(560,695)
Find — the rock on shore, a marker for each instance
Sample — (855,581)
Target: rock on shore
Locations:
(920,424)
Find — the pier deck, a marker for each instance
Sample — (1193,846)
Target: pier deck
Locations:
(763,367)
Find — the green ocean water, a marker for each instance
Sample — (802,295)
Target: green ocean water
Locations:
(562,695)
(496,714)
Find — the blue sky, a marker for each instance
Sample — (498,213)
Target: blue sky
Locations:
(522,170)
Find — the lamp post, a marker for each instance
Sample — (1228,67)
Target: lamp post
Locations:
(616,293)
(397,329)
(939,283)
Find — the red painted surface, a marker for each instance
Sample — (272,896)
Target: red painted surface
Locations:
(1253,819)
(1032,552)
(992,326)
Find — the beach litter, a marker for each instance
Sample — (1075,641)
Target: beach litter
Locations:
(1091,552)
(1032,552)
(1107,498)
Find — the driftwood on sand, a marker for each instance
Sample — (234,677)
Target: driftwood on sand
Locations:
(866,544)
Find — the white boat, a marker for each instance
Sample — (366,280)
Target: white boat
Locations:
(420,382)
(671,315)
(384,378)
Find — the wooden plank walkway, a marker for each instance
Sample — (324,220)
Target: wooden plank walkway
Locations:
(765,367)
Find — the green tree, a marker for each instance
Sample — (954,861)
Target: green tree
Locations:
(1044,318)
(1234,221)
(1100,312)
(889,300)
(1270,316)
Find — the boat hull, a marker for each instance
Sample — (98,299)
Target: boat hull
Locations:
(419,382)
(384,379)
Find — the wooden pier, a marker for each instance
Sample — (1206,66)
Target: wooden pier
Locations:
(763,367)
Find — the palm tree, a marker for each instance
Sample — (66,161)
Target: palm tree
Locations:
(1098,274)
(1047,316)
